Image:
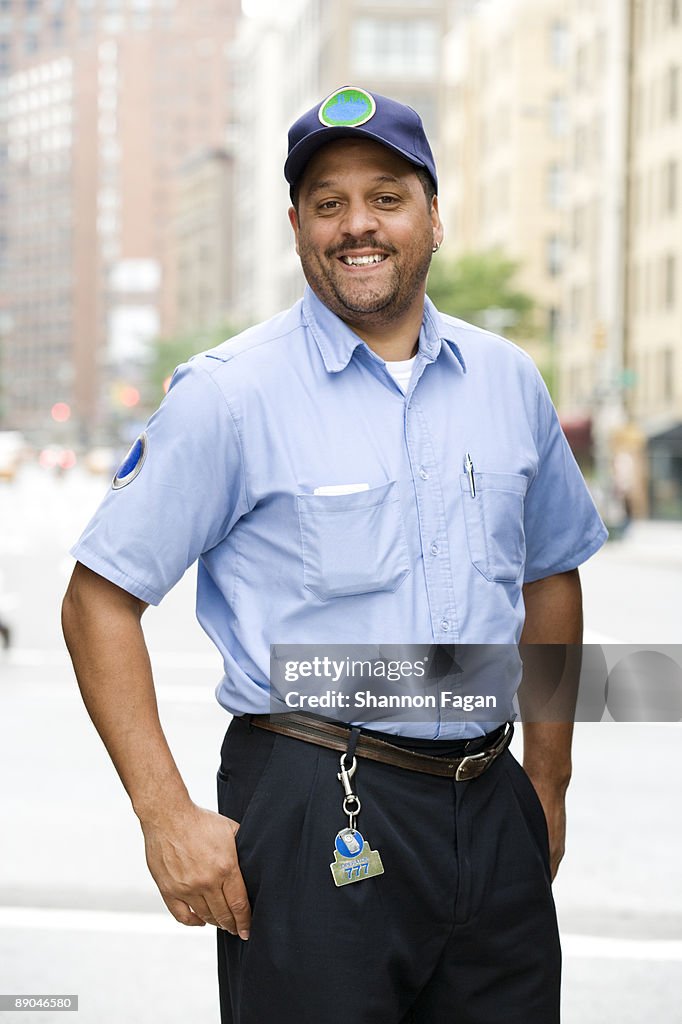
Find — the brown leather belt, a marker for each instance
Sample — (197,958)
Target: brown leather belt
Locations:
(335,737)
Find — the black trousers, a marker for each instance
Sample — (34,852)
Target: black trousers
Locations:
(460,929)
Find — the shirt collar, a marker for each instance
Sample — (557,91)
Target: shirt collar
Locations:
(337,342)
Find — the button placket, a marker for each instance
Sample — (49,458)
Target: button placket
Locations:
(431,515)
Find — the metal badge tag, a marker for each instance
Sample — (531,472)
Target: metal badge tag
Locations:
(353,859)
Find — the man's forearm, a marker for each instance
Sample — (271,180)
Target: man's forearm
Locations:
(553,616)
(551,642)
(104,635)
(190,851)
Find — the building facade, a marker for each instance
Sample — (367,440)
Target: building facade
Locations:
(90,180)
(504,136)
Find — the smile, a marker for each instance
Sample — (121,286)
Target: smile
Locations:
(363,261)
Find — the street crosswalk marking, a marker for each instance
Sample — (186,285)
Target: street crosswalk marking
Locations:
(127,923)
(25,657)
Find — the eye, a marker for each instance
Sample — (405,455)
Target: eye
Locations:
(328,204)
(387,200)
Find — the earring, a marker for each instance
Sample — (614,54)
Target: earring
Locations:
(436,247)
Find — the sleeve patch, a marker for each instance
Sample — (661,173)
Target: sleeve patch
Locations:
(132,464)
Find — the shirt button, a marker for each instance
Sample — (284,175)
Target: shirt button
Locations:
(434,549)
(423,473)
(444,625)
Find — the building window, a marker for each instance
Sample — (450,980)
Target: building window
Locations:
(578,227)
(580,69)
(558,44)
(669,281)
(554,255)
(672,94)
(668,370)
(636,200)
(575,308)
(580,147)
(634,290)
(558,115)
(670,186)
(669,374)
(556,186)
(400,48)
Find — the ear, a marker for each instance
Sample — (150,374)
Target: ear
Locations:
(438,231)
(293,220)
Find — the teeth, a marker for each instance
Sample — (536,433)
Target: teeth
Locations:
(359,261)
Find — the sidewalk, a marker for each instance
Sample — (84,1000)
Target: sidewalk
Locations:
(650,541)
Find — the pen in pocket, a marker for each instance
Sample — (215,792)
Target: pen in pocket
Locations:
(469,470)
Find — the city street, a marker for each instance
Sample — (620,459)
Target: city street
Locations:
(79,914)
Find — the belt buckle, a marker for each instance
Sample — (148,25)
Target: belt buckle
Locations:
(473,765)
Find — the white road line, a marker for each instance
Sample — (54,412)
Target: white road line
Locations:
(601,947)
(592,637)
(167,693)
(32,658)
(52,919)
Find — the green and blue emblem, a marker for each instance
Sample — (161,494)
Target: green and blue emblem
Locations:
(347,108)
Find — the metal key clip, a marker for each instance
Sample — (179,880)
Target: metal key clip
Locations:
(351,802)
(346,774)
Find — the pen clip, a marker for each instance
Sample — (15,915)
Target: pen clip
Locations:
(469,469)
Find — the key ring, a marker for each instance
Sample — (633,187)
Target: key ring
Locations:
(351,802)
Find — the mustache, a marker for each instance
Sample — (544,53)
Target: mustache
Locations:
(352,244)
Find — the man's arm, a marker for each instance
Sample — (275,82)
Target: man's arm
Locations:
(190,851)
(553,616)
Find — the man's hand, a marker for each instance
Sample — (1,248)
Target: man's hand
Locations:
(193,860)
(553,800)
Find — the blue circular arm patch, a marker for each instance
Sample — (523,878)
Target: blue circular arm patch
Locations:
(132,464)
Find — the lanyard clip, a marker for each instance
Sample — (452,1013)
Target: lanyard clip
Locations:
(346,774)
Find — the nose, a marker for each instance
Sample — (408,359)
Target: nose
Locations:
(359,219)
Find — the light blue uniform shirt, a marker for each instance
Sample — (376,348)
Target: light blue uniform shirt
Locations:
(249,431)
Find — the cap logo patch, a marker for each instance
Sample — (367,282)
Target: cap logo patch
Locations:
(347,108)
(132,464)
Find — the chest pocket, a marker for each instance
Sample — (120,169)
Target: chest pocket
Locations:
(353,543)
(494,524)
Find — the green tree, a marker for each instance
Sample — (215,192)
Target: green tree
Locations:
(167,353)
(479,287)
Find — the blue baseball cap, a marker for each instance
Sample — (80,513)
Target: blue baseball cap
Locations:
(350,112)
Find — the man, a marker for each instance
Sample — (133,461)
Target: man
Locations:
(360,469)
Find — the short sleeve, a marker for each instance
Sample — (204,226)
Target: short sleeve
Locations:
(562,526)
(184,500)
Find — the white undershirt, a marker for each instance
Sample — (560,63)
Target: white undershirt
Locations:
(401,371)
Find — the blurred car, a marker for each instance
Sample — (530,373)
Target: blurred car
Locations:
(56,458)
(101,461)
(13,448)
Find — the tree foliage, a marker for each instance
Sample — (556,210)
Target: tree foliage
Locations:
(167,353)
(479,287)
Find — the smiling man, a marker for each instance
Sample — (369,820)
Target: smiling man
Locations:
(366,226)
(358,470)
